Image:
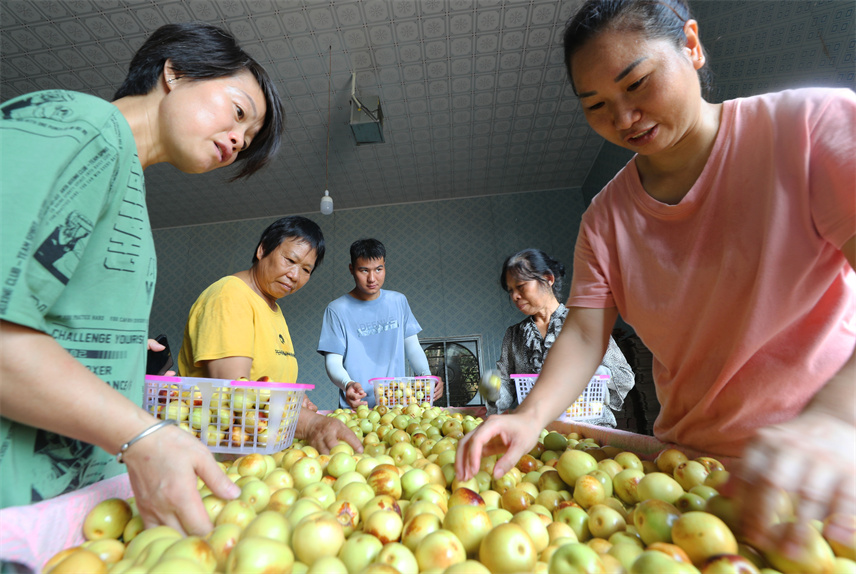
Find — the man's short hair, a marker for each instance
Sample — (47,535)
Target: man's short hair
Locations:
(367,249)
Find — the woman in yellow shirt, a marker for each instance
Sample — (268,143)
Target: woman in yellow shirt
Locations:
(236,328)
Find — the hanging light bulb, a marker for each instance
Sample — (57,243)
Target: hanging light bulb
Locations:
(326,203)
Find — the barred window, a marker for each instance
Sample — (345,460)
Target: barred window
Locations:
(457,360)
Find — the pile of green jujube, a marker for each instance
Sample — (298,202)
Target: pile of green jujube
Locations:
(569,506)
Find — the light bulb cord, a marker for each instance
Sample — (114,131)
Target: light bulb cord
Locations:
(329,97)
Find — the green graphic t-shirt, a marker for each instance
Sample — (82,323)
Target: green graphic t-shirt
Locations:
(77,261)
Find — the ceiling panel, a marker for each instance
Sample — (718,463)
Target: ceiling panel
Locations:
(474,93)
(470,91)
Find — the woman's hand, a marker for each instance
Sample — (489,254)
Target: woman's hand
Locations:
(575,354)
(163,468)
(515,435)
(812,456)
(157,347)
(324,433)
(354,394)
(309,405)
(438,390)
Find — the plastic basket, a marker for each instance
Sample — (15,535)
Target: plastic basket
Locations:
(238,417)
(588,406)
(403,391)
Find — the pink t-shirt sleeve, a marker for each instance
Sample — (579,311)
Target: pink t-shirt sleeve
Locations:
(832,168)
(589,285)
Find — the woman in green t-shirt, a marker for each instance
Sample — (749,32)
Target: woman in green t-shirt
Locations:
(79,267)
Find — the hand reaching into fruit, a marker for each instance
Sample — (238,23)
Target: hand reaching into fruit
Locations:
(512,434)
(812,456)
(165,485)
(163,467)
(354,394)
(324,433)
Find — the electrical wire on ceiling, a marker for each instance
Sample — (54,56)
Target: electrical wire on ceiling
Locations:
(327,201)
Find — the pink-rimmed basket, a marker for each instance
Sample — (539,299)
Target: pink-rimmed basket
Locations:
(588,406)
(235,417)
(402,391)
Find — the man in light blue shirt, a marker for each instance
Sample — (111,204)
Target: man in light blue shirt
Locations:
(368,332)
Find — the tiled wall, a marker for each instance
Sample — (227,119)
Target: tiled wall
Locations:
(445,256)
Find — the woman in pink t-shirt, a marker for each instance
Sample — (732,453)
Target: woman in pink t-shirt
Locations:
(728,244)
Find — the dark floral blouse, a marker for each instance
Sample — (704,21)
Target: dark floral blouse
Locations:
(524,351)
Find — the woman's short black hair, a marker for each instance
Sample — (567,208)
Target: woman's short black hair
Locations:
(200,51)
(653,18)
(367,249)
(533,265)
(293,226)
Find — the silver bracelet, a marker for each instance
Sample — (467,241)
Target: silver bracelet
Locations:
(120,456)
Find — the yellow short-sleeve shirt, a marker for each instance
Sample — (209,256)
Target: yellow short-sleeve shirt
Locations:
(229,319)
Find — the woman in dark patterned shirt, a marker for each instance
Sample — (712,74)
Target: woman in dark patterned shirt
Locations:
(533,281)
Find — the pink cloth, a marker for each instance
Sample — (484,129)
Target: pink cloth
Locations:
(31,535)
(740,291)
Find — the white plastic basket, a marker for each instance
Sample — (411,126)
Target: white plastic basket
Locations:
(238,417)
(403,391)
(588,406)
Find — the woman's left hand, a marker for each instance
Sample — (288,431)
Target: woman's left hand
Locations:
(812,456)
(309,405)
